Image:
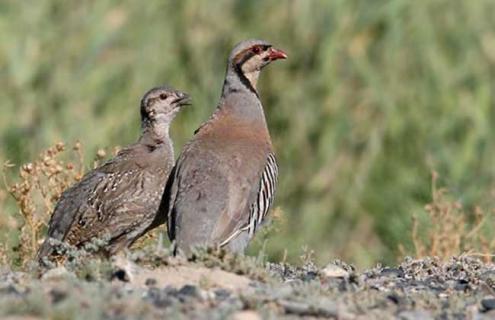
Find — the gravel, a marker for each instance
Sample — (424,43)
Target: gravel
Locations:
(461,288)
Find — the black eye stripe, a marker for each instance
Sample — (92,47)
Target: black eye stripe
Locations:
(259,48)
(248,53)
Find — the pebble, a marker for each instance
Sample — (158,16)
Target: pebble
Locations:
(150,282)
(56,273)
(57,295)
(246,315)
(392,272)
(488,303)
(333,271)
(415,315)
(190,290)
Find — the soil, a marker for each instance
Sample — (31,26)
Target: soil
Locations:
(243,288)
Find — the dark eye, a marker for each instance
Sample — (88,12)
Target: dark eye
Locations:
(256,50)
(163,96)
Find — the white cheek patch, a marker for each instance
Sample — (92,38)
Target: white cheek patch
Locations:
(251,65)
(253,77)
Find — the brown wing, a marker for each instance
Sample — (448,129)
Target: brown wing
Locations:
(109,200)
(117,206)
(198,194)
(69,208)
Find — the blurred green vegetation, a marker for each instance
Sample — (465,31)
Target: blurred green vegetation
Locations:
(374,96)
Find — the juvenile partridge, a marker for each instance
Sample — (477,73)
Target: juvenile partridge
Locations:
(224,180)
(119,200)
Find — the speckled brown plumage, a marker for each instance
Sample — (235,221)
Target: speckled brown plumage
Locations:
(224,180)
(119,200)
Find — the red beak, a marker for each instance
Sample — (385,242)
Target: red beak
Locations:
(276,54)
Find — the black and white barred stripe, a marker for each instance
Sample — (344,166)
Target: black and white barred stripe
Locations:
(266,194)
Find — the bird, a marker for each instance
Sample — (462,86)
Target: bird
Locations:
(224,180)
(118,201)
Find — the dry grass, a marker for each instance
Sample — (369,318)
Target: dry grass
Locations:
(449,229)
(36,190)
(149,239)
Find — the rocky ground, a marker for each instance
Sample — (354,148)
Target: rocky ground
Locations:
(221,286)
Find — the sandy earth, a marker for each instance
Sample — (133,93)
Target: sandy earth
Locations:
(461,288)
(178,276)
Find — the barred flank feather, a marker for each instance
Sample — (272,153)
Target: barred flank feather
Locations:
(266,194)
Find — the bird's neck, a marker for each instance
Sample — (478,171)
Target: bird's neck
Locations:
(155,133)
(237,79)
(240,98)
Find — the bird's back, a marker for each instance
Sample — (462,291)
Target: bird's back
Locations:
(115,201)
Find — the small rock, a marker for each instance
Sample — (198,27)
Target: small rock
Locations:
(161,298)
(57,295)
(395,298)
(150,282)
(121,275)
(246,315)
(333,271)
(189,290)
(222,294)
(124,269)
(56,273)
(392,272)
(462,285)
(324,308)
(488,303)
(486,315)
(415,315)
(310,275)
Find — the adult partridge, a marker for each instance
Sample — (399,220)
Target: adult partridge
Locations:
(224,180)
(119,200)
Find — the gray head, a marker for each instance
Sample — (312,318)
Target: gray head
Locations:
(161,104)
(250,56)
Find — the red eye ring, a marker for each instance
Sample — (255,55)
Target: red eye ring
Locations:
(256,49)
